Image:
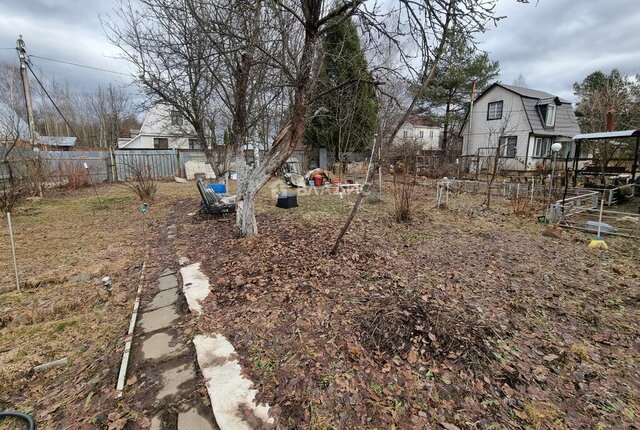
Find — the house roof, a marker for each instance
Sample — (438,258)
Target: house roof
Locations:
(528,92)
(566,123)
(57,140)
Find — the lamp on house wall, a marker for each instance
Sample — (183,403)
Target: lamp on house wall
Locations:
(555,149)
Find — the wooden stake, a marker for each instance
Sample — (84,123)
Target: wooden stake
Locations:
(13,250)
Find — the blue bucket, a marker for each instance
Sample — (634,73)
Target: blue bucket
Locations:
(218,188)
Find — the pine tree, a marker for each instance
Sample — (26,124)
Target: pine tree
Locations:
(447,99)
(346,109)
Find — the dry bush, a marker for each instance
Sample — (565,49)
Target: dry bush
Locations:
(11,188)
(405,196)
(405,322)
(405,190)
(142,182)
(73,174)
(522,205)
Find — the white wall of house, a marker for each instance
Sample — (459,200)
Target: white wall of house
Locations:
(427,137)
(160,126)
(483,134)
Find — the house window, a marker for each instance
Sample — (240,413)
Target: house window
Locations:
(542,147)
(548,114)
(550,120)
(404,134)
(495,110)
(508,146)
(431,134)
(160,143)
(193,144)
(421,134)
(176,118)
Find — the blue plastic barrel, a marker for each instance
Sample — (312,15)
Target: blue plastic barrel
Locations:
(218,188)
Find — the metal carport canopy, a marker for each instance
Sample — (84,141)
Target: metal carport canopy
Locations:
(606,135)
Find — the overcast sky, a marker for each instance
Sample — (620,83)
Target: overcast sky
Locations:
(552,44)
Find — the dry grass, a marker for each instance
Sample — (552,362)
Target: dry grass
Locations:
(65,244)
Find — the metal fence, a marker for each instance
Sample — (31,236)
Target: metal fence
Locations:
(63,164)
(163,163)
(99,166)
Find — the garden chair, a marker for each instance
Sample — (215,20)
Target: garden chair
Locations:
(213,203)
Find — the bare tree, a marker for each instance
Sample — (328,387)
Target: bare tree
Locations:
(500,149)
(240,42)
(112,109)
(162,40)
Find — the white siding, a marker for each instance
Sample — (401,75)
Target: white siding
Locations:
(430,140)
(484,133)
(157,124)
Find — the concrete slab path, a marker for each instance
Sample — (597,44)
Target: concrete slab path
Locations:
(232,396)
(177,405)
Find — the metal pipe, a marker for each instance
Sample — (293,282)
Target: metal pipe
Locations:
(13,250)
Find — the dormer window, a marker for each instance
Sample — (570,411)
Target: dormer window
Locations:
(550,118)
(547,109)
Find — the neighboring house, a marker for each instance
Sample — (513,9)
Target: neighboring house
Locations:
(524,122)
(57,143)
(12,126)
(415,129)
(163,128)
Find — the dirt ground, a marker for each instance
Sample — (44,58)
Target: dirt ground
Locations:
(462,318)
(65,244)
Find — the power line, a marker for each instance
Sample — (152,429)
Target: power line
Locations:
(51,99)
(79,65)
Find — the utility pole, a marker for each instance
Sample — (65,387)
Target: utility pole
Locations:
(22,55)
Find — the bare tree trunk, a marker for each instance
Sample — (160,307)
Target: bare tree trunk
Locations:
(352,215)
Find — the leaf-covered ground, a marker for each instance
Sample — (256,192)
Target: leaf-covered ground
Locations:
(460,319)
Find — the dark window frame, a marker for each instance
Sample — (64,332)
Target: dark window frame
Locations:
(496,103)
(157,141)
(504,147)
(176,118)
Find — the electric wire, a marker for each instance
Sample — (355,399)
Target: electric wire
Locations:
(78,65)
(51,99)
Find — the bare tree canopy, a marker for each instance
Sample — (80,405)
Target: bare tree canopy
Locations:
(252,56)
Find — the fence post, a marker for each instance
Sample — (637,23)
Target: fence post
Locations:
(114,171)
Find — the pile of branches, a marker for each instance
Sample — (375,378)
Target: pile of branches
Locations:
(399,323)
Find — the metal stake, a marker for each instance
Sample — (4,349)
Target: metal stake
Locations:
(13,250)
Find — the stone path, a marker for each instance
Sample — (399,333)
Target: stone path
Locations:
(232,394)
(172,373)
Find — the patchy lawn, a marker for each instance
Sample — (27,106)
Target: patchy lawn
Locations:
(460,319)
(65,245)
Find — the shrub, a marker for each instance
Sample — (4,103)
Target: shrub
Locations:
(142,182)
(73,174)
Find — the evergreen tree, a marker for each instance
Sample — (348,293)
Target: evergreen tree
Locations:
(346,107)
(447,99)
(600,93)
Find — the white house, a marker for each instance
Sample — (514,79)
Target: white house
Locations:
(523,122)
(162,128)
(416,130)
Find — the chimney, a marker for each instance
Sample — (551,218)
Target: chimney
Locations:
(610,119)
